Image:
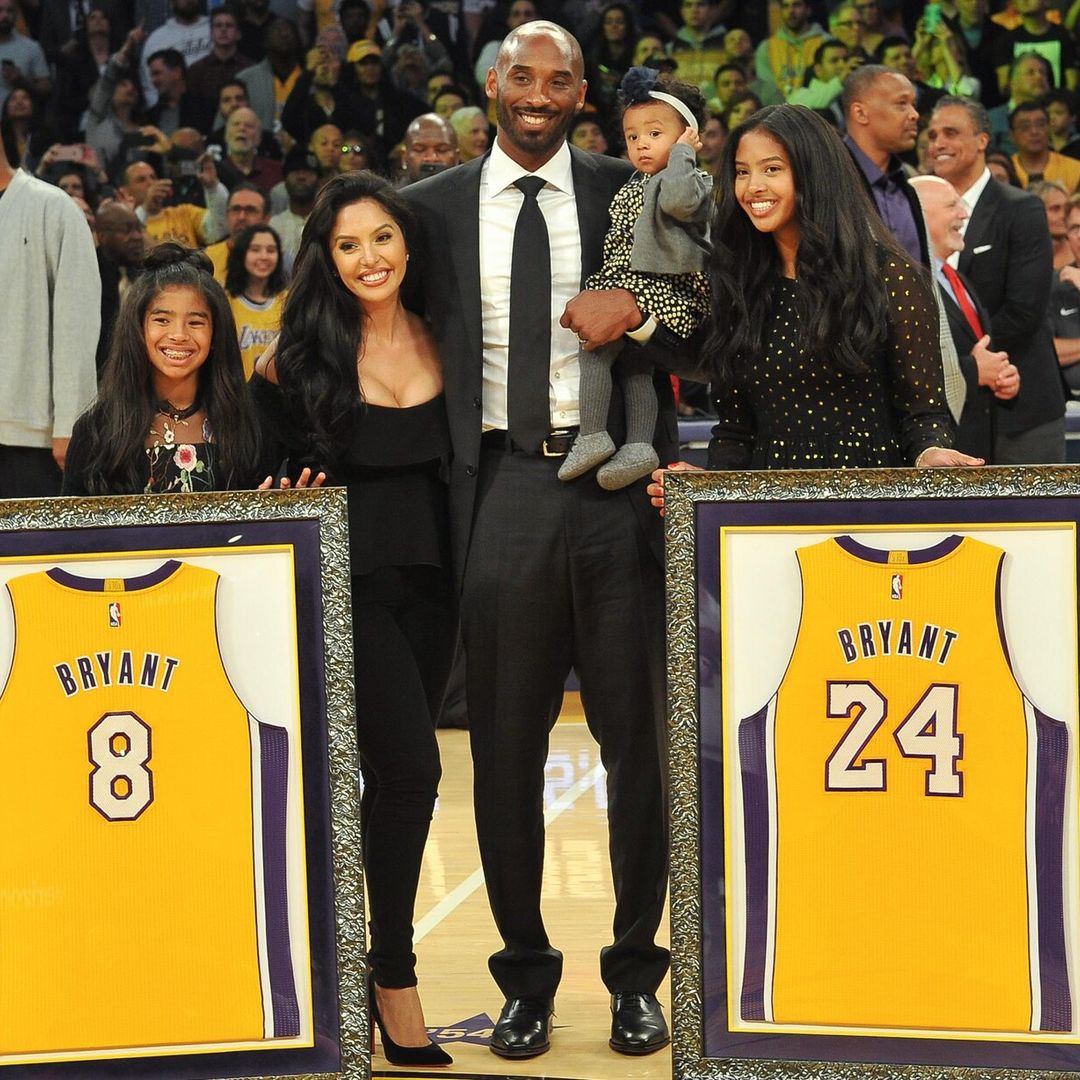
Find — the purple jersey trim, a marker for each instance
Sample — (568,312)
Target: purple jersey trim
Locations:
(755,790)
(1051,770)
(921,555)
(274,764)
(1052,738)
(133,584)
(999,613)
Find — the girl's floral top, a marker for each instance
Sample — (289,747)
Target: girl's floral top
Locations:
(177,466)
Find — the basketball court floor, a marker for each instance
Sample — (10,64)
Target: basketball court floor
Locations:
(455,933)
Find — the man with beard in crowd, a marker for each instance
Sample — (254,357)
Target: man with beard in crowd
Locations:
(121,244)
(539,596)
(302,180)
(242,161)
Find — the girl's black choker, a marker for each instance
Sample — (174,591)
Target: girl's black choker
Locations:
(167,408)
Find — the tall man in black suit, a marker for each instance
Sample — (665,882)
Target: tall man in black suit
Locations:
(1008,257)
(552,574)
(987,372)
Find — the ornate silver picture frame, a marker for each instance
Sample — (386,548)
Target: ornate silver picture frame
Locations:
(187,900)
(849,656)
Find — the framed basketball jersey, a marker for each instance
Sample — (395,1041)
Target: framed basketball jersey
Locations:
(176,799)
(177,896)
(874,724)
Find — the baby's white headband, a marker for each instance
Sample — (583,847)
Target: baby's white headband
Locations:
(677,105)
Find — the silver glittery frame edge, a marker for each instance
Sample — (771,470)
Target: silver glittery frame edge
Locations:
(683,491)
(328,507)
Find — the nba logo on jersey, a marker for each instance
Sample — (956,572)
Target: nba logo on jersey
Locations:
(897,587)
(114,615)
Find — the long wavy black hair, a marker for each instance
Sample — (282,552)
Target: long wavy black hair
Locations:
(117,425)
(841,302)
(321,325)
(236,275)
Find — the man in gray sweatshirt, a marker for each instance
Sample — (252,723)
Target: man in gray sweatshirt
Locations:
(51,293)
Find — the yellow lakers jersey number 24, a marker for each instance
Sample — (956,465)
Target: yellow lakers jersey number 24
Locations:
(901,872)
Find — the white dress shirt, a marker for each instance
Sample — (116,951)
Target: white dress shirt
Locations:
(500,202)
(969,198)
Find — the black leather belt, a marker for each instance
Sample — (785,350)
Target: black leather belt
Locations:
(557,443)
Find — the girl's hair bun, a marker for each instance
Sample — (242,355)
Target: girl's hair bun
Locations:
(169,253)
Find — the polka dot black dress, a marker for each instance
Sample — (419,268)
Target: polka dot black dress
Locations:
(679,301)
(793,412)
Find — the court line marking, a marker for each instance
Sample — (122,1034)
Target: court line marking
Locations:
(458,895)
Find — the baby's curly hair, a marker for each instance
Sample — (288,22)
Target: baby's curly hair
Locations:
(639,81)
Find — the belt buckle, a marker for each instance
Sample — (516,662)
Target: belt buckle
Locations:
(559,434)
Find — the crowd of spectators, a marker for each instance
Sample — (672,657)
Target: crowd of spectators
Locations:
(198,123)
(90,88)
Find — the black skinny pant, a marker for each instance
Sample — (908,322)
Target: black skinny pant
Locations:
(403,639)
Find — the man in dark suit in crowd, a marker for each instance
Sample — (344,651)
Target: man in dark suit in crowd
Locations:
(881,120)
(553,575)
(121,244)
(1008,257)
(987,373)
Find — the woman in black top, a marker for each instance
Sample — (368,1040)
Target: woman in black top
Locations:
(824,351)
(172,413)
(354,390)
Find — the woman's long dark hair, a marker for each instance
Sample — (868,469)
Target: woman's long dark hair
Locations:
(236,276)
(841,301)
(321,324)
(118,422)
(33,149)
(598,51)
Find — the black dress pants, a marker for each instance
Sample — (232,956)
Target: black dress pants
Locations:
(560,575)
(403,637)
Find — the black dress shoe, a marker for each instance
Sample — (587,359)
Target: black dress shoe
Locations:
(637,1024)
(523,1028)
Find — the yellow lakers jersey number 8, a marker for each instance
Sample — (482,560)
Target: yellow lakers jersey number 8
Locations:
(136,793)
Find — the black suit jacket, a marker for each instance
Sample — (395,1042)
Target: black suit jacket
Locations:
(975,433)
(110,306)
(448,206)
(1009,260)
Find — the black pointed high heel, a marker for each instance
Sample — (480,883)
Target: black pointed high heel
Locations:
(430,1056)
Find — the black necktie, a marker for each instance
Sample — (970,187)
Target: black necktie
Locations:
(529,361)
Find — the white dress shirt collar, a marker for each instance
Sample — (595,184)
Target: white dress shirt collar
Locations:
(971,196)
(969,199)
(503,170)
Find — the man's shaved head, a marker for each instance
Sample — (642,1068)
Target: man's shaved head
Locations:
(512,43)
